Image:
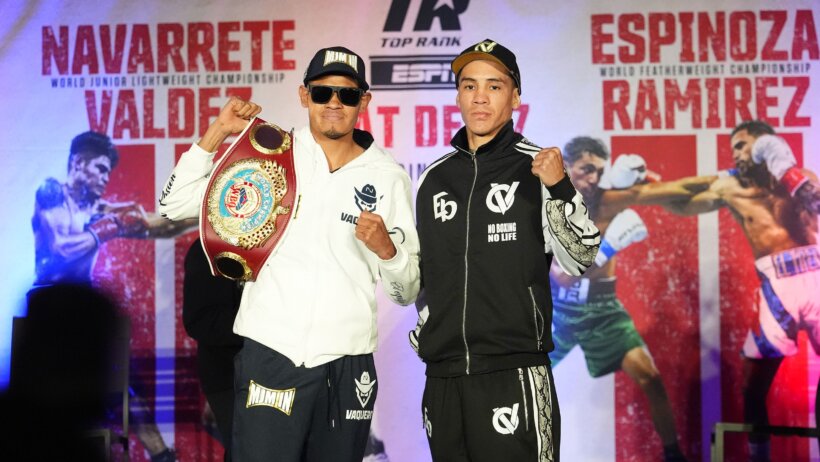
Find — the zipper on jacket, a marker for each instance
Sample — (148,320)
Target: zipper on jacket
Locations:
(524,398)
(535,315)
(466,264)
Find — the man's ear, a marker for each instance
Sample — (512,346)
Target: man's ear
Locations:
(366,97)
(304,97)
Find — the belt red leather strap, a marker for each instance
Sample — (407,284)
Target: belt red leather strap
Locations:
(249,201)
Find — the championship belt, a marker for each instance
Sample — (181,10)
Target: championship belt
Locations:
(249,201)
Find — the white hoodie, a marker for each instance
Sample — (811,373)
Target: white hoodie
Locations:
(314,299)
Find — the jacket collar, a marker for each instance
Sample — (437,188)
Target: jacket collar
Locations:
(503,138)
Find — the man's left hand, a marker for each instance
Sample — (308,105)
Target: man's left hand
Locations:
(548,166)
(775,152)
(626,171)
(370,229)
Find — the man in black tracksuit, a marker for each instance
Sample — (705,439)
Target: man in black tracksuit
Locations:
(491,217)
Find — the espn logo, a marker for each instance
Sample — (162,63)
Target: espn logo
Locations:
(431,72)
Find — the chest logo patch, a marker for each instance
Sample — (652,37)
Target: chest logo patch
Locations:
(366,199)
(442,208)
(501,197)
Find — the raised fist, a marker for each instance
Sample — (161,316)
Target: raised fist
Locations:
(626,171)
(548,166)
(625,229)
(236,113)
(775,152)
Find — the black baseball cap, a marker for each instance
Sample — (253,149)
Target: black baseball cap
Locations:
(489,50)
(337,61)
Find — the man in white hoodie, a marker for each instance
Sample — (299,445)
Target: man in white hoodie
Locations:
(305,379)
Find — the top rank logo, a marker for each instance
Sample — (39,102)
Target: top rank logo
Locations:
(418,71)
(446,11)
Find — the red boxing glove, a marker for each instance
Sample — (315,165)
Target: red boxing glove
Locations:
(132,221)
(104,229)
(128,221)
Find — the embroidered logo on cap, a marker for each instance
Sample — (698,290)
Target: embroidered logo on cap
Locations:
(485,46)
(341,57)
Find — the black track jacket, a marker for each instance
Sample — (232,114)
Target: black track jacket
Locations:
(488,231)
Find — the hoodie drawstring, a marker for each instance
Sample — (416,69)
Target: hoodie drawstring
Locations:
(333,411)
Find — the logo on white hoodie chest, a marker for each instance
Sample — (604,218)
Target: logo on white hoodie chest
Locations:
(366,199)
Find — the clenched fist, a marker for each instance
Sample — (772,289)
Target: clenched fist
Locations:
(370,229)
(548,166)
(125,221)
(775,153)
(625,172)
(232,119)
(236,113)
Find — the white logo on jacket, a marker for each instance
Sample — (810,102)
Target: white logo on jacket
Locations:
(443,209)
(501,197)
(505,420)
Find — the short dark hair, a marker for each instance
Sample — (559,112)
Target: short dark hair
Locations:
(576,147)
(90,145)
(755,128)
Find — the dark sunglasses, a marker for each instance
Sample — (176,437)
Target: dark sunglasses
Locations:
(349,96)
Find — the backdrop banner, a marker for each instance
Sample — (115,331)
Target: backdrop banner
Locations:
(669,84)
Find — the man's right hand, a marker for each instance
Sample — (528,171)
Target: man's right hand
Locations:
(625,229)
(232,119)
(127,221)
(234,116)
